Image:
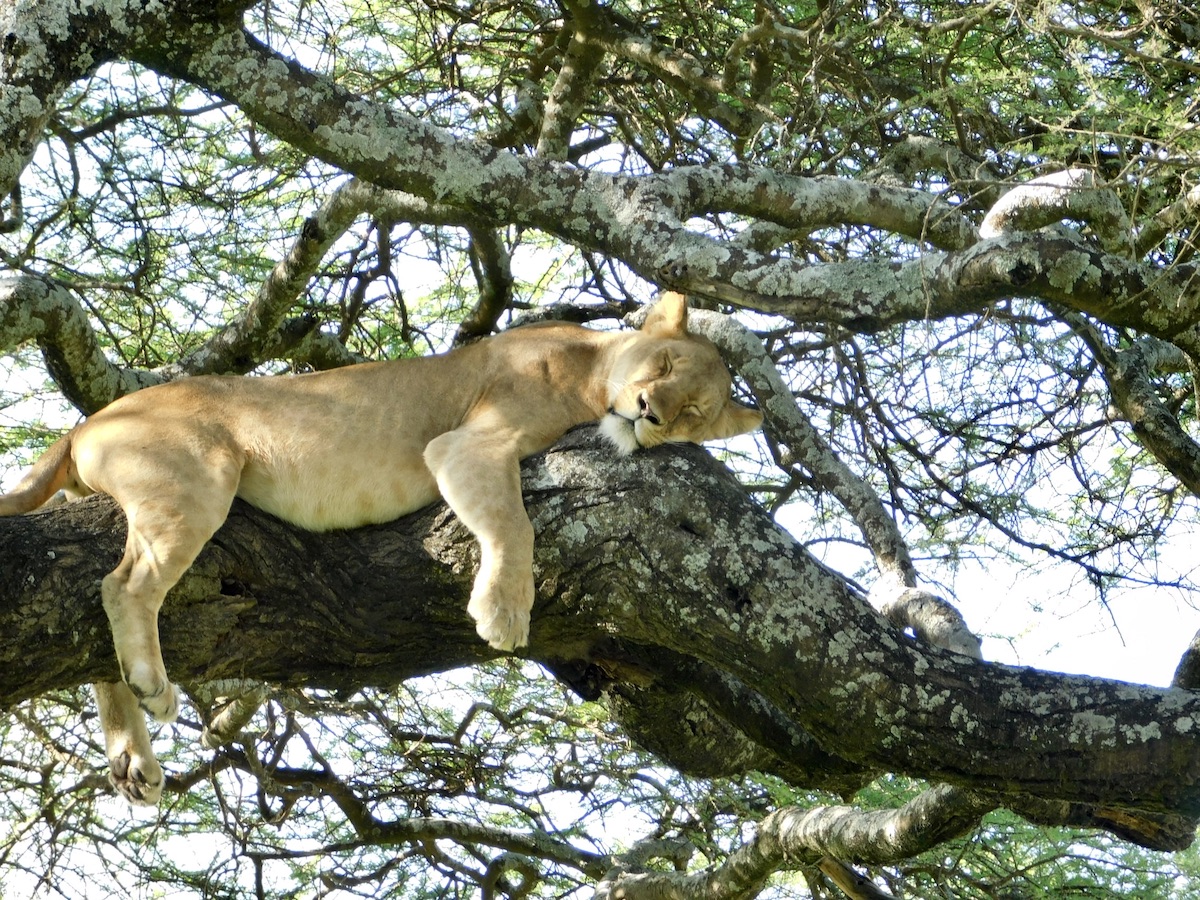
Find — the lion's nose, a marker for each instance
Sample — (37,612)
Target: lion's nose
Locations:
(645,412)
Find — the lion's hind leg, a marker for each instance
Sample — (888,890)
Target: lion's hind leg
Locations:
(171,516)
(132,768)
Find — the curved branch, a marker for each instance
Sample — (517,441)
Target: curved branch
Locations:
(933,621)
(794,837)
(1070,194)
(492,265)
(35,309)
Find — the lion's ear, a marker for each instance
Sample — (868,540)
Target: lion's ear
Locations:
(735,419)
(668,317)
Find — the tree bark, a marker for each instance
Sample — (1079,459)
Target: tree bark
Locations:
(661,551)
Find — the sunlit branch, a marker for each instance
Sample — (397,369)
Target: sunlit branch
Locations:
(34,309)
(1134,396)
(793,837)
(1071,194)
(580,65)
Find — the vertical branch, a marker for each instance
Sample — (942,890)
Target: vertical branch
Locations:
(576,75)
(493,273)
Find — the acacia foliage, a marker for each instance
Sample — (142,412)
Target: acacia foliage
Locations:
(1023,393)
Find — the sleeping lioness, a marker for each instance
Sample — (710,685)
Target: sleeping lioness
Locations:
(363,444)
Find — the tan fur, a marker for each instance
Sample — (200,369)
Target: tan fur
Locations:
(358,445)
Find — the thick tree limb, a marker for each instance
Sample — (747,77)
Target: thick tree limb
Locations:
(492,267)
(933,621)
(640,220)
(661,549)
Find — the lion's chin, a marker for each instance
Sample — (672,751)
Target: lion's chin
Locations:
(619,432)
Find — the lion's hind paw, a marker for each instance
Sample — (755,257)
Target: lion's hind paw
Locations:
(505,629)
(138,779)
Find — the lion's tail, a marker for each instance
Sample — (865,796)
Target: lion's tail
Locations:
(49,475)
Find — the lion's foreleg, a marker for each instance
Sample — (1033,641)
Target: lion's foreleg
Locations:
(478,474)
(132,768)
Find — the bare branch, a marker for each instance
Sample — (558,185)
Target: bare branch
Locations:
(1070,194)
(801,444)
(33,309)
(793,837)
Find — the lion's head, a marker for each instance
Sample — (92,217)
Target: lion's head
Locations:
(668,385)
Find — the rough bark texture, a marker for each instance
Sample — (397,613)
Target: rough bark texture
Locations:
(636,557)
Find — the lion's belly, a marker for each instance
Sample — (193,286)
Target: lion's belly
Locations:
(321,492)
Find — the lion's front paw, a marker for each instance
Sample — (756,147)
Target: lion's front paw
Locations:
(155,694)
(506,630)
(502,615)
(139,779)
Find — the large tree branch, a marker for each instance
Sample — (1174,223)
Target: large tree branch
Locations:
(641,220)
(661,549)
(1071,193)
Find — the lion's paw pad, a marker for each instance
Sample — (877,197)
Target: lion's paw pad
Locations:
(138,779)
